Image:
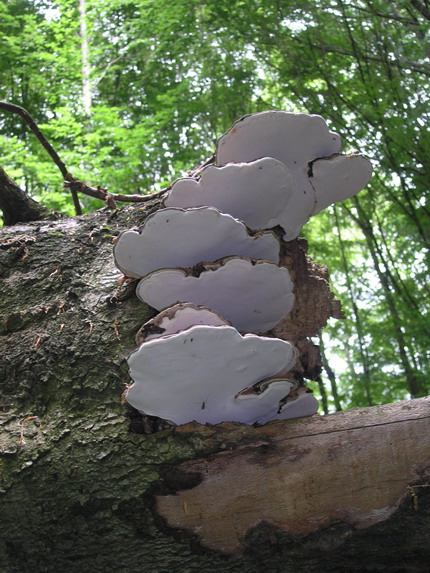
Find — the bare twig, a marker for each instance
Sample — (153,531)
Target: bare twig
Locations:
(52,153)
(74,185)
(110,198)
(107,68)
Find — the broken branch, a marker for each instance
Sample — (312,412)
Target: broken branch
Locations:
(74,185)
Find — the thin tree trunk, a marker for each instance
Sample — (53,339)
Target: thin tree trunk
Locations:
(330,374)
(323,394)
(412,380)
(85,56)
(367,381)
(349,357)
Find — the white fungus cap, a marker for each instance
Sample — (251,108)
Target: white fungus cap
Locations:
(204,368)
(177,318)
(185,237)
(297,140)
(300,403)
(253,295)
(338,177)
(257,193)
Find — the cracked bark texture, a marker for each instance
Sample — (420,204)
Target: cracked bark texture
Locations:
(79,475)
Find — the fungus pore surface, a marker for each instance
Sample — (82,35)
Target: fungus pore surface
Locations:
(204,368)
(298,140)
(253,295)
(257,193)
(184,237)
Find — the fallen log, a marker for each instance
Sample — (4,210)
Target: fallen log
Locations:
(353,467)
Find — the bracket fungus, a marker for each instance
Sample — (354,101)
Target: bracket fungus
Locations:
(174,237)
(206,367)
(215,281)
(299,402)
(253,295)
(257,193)
(337,178)
(178,318)
(298,140)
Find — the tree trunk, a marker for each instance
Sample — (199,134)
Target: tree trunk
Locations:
(87,95)
(85,487)
(16,205)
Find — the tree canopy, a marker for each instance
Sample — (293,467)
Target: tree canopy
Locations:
(133,93)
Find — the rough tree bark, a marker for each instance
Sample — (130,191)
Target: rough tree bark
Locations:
(16,205)
(85,487)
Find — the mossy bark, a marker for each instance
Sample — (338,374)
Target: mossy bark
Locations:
(79,475)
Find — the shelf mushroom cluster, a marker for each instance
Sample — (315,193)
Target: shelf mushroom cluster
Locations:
(209,261)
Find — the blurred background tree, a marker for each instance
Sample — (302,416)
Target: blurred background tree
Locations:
(132,94)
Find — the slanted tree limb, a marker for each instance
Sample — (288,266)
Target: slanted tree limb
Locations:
(109,198)
(74,185)
(51,151)
(422,8)
(16,205)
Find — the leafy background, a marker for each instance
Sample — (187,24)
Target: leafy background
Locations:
(132,94)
